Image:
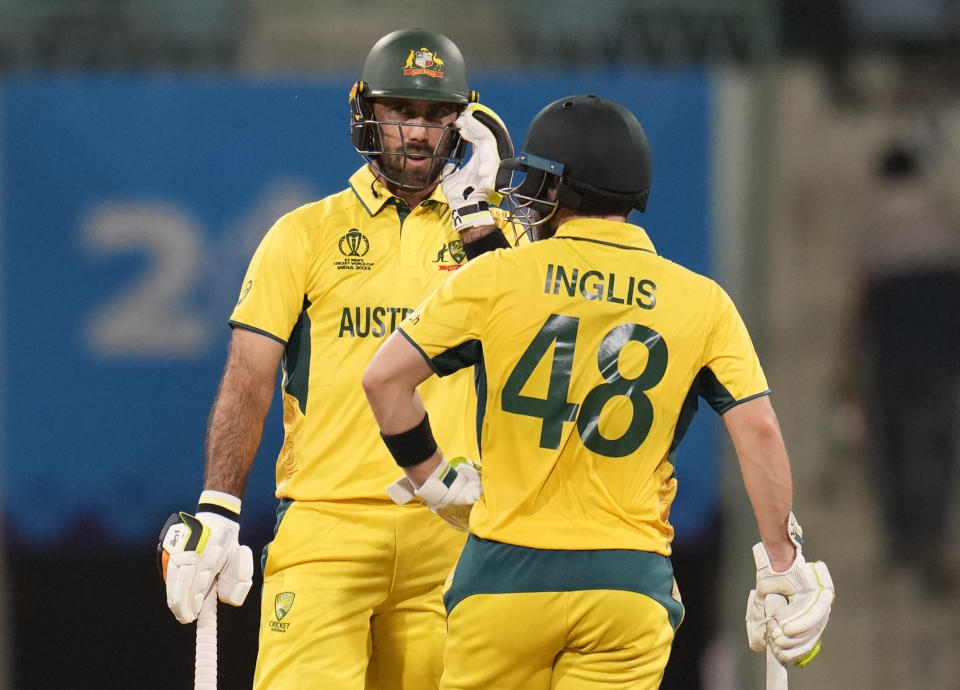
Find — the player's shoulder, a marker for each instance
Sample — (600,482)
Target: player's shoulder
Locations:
(313,216)
(322,209)
(695,280)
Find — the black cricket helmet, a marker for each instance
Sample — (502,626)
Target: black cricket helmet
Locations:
(587,148)
(413,64)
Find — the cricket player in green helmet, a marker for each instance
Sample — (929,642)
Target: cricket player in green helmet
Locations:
(353,576)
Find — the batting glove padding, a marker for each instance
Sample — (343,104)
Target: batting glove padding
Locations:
(792,631)
(472,188)
(195,550)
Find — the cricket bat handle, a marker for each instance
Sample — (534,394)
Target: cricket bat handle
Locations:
(776,672)
(205,670)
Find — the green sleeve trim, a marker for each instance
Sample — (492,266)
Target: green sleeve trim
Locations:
(747,399)
(466,354)
(717,394)
(419,349)
(248,327)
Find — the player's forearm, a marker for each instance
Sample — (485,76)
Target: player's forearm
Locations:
(482,239)
(234,431)
(398,409)
(765,467)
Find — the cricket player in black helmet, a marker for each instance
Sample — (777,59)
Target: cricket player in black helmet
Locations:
(593,351)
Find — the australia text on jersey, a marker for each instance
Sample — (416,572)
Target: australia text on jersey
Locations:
(361,322)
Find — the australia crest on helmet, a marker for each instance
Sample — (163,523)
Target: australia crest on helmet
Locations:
(423,61)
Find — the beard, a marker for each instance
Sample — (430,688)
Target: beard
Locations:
(394,164)
(395,170)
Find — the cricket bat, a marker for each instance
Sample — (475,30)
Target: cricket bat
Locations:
(776,672)
(205,669)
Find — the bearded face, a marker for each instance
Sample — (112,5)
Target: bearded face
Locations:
(417,136)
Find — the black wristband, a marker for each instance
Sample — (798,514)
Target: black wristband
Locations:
(203,507)
(487,243)
(413,446)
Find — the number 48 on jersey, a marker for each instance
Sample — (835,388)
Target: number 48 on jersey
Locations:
(555,409)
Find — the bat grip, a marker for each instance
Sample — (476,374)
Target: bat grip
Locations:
(205,676)
(776,672)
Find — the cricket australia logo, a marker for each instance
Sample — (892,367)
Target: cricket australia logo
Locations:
(281,607)
(354,245)
(451,256)
(423,61)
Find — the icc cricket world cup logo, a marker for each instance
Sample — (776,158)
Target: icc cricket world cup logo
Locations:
(354,243)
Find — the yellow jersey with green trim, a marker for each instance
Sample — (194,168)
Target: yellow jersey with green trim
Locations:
(592,351)
(330,281)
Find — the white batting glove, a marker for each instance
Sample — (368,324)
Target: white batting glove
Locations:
(792,631)
(195,550)
(450,491)
(472,188)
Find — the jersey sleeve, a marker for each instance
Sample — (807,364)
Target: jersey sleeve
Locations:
(447,326)
(731,373)
(273,291)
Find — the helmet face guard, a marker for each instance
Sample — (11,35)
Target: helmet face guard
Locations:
(415,65)
(528,190)
(367,134)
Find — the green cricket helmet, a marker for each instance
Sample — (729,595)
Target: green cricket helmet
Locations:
(590,149)
(409,64)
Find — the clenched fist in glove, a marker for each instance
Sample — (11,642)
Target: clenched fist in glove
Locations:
(792,630)
(472,188)
(195,550)
(450,491)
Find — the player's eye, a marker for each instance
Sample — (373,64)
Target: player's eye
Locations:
(439,112)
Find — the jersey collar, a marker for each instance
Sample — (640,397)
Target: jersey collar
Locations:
(374,195)
(603,231)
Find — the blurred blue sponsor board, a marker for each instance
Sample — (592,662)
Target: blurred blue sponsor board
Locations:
(129,208)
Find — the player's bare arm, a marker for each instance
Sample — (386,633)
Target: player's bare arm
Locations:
(241,405)
(792,630)
(390,383)
(759,445)
(448,488)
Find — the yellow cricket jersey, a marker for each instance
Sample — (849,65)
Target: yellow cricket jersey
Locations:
(592,352)
(330,281)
